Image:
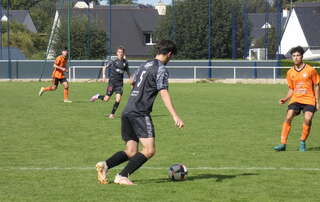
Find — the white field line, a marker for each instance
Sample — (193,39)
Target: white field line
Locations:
(163,168)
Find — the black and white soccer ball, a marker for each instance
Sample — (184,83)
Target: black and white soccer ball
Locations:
(178,172)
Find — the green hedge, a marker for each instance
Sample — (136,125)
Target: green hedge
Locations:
(289,63)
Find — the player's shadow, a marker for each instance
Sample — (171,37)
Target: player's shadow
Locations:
(159,115)
(313,149)
(80,101)
(216,177)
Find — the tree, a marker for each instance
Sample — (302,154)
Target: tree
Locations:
(79,38)
(190,28)
(271,43)
(257,6)
(31,44)
(42,15)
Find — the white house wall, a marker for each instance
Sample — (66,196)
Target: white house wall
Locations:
(311,54)
(293,35)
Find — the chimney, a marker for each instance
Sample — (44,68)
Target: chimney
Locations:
(285,13)
(91,4)
(161,8)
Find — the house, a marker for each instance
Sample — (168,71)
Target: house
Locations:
(303,29)
(15,54)
(20,16)
(132,26)
(261,22)
(260,25)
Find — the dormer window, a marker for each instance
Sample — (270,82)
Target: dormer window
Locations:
(266,26)
(148,38)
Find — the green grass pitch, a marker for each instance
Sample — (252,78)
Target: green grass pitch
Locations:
(48,149)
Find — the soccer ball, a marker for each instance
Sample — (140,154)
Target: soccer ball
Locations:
(178,172)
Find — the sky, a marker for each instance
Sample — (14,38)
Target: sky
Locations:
(152,2)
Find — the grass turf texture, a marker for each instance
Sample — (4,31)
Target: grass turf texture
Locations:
(226,126)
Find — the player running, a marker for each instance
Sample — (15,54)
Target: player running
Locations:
(60,67)
(118,67)
(136,123)
(303,82)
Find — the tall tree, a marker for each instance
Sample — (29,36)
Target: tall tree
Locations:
(31,44)
(191,28)
(79,39)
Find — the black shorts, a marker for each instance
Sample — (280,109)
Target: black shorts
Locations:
(298,107)
(56,81)
(117,89)
(135,127)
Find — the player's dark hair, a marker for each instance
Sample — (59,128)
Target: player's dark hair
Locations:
(121,48)
(65,49)
(298,49)
(166,46)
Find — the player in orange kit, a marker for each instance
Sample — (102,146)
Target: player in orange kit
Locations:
(303,83)
(60,66)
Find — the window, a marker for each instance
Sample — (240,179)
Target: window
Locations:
(266,26)
(148,39)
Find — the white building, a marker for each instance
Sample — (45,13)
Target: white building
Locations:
(303,29)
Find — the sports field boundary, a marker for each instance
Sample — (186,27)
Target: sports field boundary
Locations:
(163,168)
(227,81)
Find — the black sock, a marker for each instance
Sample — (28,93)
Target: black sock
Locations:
(115,107)
(101,97)
(134,163)
(117,159)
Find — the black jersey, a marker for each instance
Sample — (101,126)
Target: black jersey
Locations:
(117,69)
(149,79)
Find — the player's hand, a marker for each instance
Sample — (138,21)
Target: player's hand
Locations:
(66,70)
(282,101)
(318,106)
(179,123)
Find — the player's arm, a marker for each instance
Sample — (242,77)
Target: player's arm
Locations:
(285,99)
(162,79)
(316,93)
(168,103)
(107,64)
(131,81)
(316,80)
(127,70)
(60,68)
(290,91)
(133,78)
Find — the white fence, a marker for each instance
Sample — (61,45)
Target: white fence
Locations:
(189,72)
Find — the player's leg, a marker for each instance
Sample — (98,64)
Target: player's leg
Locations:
(115,160)
(53,87)
(122,156)
(286,127)
(106,98)
(139,158)
(144,129)
(66,91)
(307,122)
(119,157)
(115,105)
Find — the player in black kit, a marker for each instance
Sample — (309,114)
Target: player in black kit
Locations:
(118,67)
(136,123)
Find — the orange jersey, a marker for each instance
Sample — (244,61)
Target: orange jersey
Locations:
(61,62)
(302,83)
